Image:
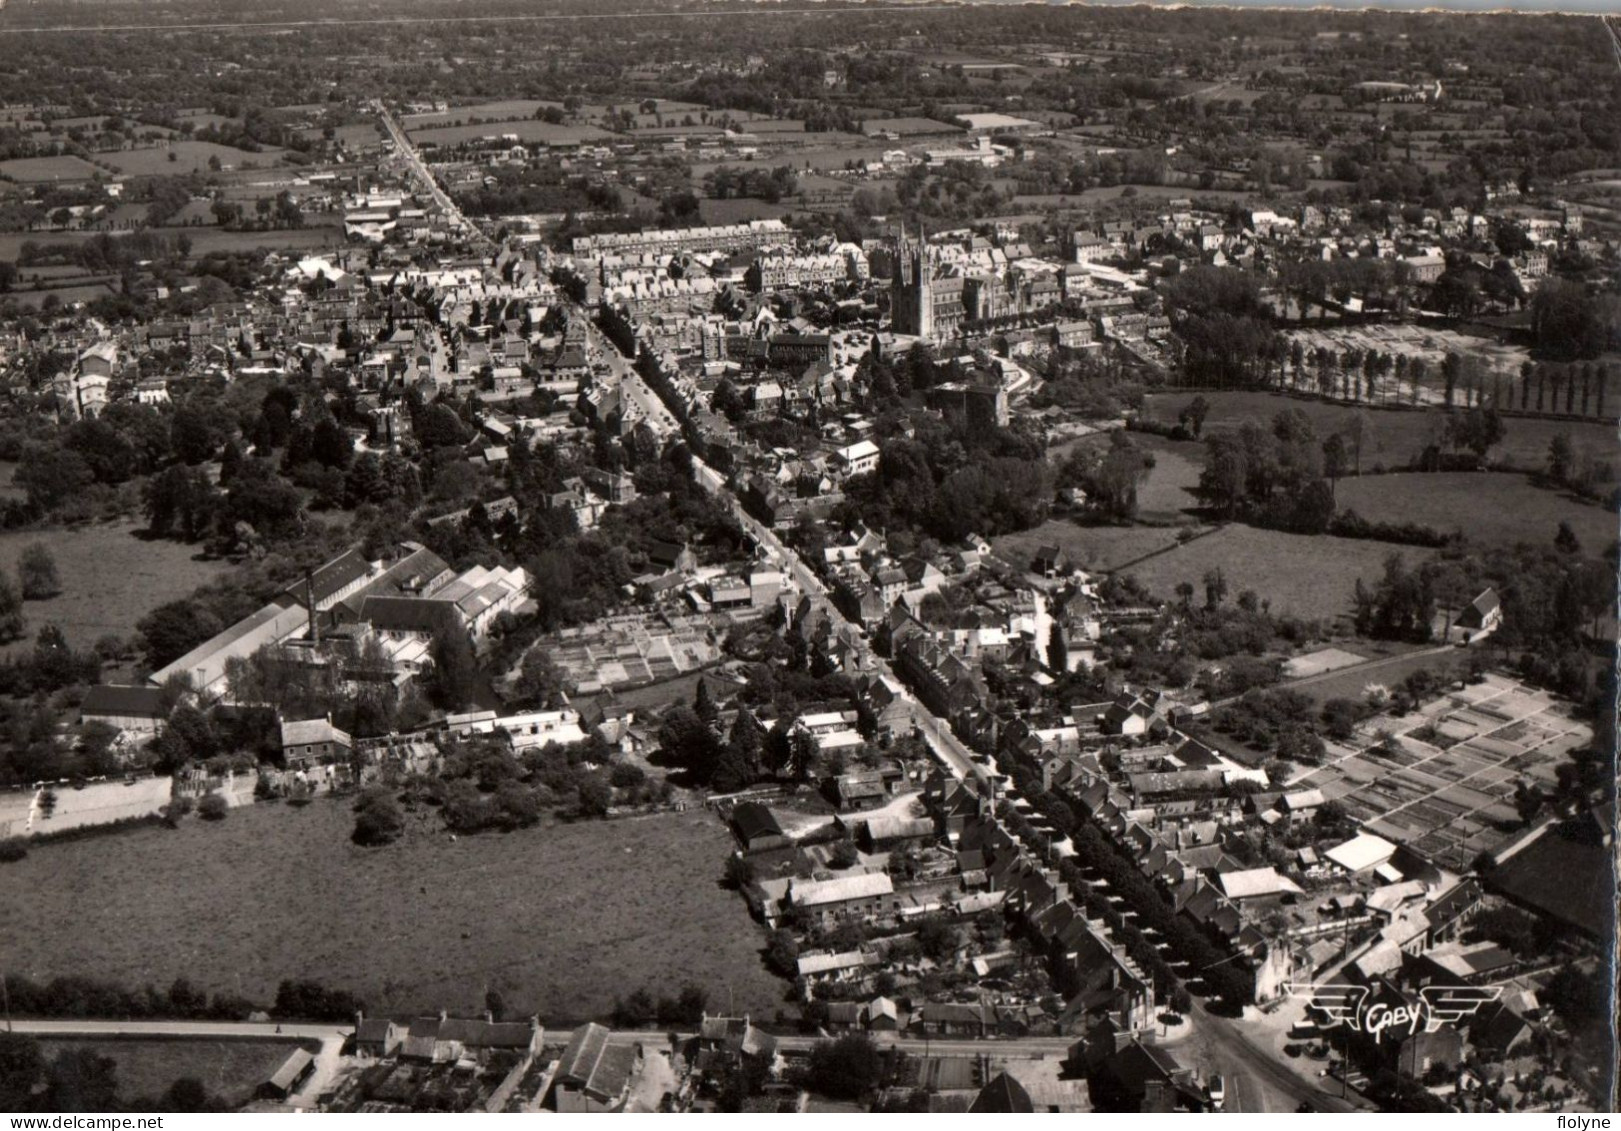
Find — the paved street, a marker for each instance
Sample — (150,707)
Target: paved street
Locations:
(947,747)
(333,1036)
(1256,1081)
(425,179)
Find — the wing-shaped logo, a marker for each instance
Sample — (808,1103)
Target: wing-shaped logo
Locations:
(1340,1003)
(1446,1005)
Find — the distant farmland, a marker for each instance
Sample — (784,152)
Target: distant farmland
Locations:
(526,131)
(1093,548)
(204,239)
(511,109)
(189,157)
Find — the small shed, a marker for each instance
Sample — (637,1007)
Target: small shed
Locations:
(756,827)
(294,1071)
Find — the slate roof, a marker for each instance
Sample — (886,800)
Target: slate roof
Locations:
(593,1065)
(345,569)
(287,1075)
(115,699)
(1002,1094)
(409,614)
(751,820)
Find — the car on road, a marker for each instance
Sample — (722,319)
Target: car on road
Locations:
(1217,1091)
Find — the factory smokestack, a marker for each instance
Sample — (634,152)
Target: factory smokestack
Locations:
(309,602)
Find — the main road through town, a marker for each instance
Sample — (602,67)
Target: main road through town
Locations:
(1255,1081)
(946,746)
(333,1036)
(425,179)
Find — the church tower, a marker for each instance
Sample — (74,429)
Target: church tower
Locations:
(912,293)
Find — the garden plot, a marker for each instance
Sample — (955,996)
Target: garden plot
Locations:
(1452,799)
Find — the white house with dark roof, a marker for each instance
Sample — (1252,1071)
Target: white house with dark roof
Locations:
(1480,616)
(858,458)
(308,741)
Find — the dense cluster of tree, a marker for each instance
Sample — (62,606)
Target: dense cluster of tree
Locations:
(74,996)
(311,1001)
(1569,322)
(512,190)
(847,1068)
(1111,477)
(1224,329)
(481,785)
(1271,477)
(770,185)
(1552,597)
(948,481)
(641,1010)
(1093,387)
(378,819)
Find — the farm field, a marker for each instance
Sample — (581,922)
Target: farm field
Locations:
(1309,577)
(202,119)
(110,578)
(38,170)
(1142,192)
(526,131)
(190,157)
(229,1069)
(511,109)
(740,210)
(1492,509)
(1350,683)
(1397,435)
(423,924)
(33,300)
(1095,548)
(204,239)
(833,151)
(358,134)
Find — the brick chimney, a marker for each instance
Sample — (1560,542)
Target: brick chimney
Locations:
(309,597)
